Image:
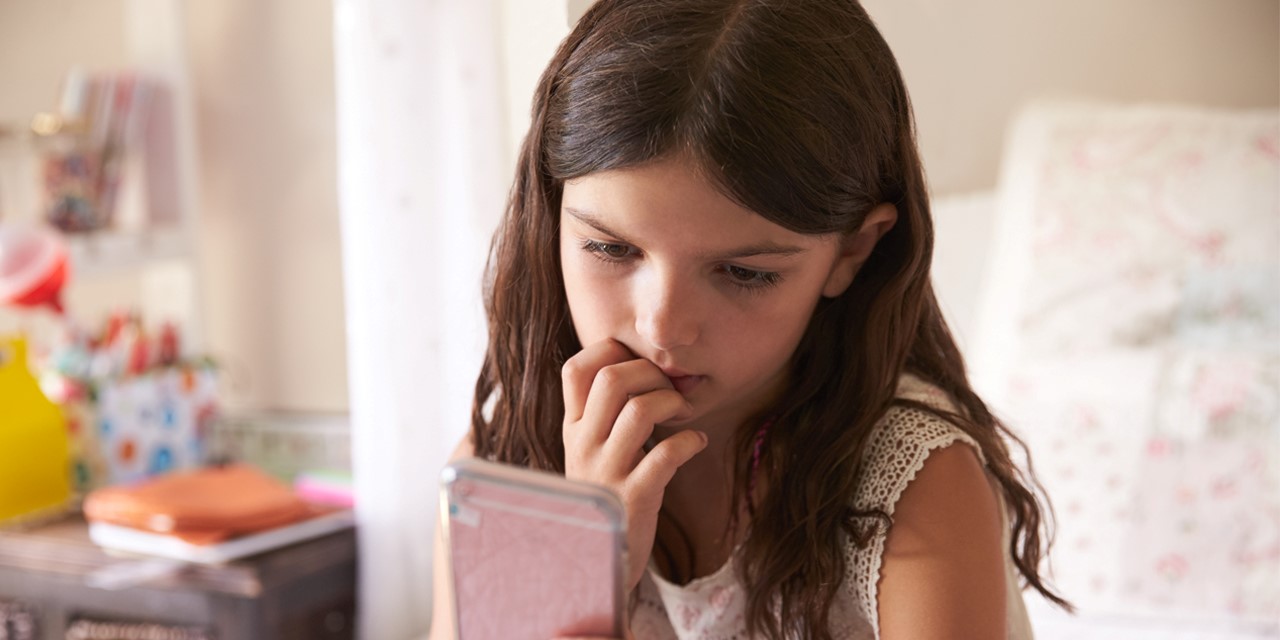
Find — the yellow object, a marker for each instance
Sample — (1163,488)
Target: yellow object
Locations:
(33,440)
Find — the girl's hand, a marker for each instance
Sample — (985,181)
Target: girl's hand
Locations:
(612,400)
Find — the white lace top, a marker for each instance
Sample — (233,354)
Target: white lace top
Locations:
(713,607)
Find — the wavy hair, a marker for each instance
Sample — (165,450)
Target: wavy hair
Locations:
(795,109)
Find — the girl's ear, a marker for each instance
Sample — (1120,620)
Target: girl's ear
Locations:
(856,247)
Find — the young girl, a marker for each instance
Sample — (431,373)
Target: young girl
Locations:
(710,293)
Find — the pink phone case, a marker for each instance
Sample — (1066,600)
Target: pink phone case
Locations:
(532,555)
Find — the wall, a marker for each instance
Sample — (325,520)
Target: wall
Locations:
(264,90)
(262,75)
(40,39)
(531,31)
(969,64)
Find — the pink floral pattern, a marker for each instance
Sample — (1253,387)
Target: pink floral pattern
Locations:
(1146,372)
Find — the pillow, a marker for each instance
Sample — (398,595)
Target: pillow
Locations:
(1130,331)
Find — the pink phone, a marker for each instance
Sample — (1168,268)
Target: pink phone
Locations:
(531,554)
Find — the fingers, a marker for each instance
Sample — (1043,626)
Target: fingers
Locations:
(580,371)
(599,384)
(636,420)
(614,391)
(660,465)
(612,402)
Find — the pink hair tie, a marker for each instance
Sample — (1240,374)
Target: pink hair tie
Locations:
(755,464)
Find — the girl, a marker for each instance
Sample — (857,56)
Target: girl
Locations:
(710,293)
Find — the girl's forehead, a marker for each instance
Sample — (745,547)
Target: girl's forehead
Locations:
(670,200)
(647,191)
(679,212)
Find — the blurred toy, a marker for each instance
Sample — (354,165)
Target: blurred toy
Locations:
(33,266)
(135,407)
(33,440)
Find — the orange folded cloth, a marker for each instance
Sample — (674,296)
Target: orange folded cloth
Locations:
(204,506)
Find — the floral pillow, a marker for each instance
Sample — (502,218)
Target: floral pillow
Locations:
(1131,333)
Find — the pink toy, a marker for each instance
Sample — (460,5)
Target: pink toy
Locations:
(33,266)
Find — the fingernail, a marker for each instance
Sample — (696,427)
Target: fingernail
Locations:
(705,437)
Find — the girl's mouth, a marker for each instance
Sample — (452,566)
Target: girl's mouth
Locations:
(686,384)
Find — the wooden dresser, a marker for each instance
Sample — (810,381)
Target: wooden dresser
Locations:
(302,591)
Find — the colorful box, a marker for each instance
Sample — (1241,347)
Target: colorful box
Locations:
(142,425)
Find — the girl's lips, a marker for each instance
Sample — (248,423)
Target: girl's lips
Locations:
(685,384)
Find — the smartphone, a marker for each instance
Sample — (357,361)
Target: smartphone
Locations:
(531,554)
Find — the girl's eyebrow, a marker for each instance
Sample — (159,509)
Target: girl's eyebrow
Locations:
(758,249)
(590,219)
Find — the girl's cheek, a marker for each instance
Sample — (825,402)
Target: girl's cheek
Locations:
(599,309)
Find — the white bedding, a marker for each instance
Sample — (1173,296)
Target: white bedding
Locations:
(1123,314)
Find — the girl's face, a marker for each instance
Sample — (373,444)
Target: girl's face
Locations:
(713,294)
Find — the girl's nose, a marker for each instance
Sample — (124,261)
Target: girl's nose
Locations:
(666,313)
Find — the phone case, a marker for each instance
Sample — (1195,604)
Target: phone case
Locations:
(531,554)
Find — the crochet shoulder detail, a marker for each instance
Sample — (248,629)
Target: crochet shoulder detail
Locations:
(896,451)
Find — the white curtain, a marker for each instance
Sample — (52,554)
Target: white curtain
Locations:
(420,188)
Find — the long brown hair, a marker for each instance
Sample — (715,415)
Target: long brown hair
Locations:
(796,110)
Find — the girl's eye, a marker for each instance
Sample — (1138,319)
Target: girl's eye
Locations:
(750,278)
(609,251)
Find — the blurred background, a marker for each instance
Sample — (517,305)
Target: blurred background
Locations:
(331,171)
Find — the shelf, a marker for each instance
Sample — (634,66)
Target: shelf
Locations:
(303,591)
(105,252)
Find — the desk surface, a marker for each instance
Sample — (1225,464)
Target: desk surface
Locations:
(62,546)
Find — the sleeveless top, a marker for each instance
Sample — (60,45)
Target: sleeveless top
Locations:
(713,607)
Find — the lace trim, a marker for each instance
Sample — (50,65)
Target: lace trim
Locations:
(896,451)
